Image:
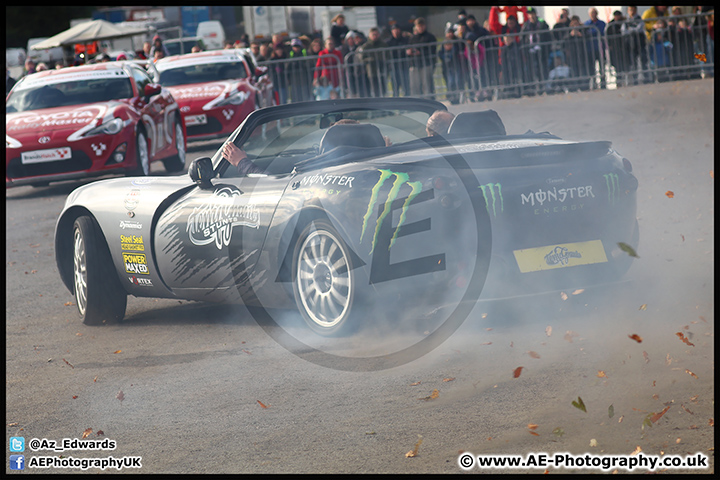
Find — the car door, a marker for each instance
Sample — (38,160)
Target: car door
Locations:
(157,113)
(209,241)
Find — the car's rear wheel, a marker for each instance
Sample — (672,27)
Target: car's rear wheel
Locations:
(324,283)
(99,296)
(176,163)
(142,156)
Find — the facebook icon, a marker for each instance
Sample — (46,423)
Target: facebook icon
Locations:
(17,462)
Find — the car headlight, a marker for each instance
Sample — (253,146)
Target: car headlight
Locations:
(108,128)
(235,98)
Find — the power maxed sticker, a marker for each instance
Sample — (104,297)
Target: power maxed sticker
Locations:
(135,263)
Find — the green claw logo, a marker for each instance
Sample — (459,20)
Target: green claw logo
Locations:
(400,180)
(613,185)
(490,188)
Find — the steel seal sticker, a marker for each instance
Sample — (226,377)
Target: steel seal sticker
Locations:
(560,256)
(132,243)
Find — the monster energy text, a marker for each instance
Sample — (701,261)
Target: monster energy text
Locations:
(400,180)
(556,195)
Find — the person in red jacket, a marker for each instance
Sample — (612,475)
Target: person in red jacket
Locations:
(512,10)
(329,62)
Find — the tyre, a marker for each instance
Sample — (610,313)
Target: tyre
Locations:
(142,157)
(99,296)
(176,163)
(324,284)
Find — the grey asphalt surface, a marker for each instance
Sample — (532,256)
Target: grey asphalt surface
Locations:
(195,377)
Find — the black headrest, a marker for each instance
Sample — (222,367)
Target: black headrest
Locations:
(477,124)
(356,135)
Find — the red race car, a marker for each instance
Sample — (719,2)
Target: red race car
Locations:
(216,90)
(90,120)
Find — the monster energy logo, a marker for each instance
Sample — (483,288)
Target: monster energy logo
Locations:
(613,185)
(400,180)
(490,188)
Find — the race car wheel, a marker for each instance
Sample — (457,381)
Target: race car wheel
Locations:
(142,157)
(323,279)
(176,163)
(99,296)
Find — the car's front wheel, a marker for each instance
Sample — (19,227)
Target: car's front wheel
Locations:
(99,296)
(176,163)
(324,282)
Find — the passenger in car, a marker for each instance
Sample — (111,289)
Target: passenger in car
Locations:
(439,123)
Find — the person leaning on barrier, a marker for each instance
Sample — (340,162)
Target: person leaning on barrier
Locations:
(399,68)
(422,60)
(635,44)
(375,63)
(439,123)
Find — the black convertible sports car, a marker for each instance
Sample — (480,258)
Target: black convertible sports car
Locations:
(356,221)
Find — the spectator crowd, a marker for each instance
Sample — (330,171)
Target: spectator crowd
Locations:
(521,56)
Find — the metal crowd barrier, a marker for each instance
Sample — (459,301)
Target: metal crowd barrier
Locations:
(495,66)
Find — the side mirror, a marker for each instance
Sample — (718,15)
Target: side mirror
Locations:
(201,172)
(152,89)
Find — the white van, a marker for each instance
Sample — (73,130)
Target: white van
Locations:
(212,34)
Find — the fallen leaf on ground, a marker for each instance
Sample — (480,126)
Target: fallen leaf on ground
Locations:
(636,337)
(261,404)
(657,416)
(532,426)
(579,404)
(87,432)
(415,384)
(593,442)
(71,365)
(449,379)
(611,411)
(563,295)
(684,339)
(690,373)
(601,374)
(643,306)
(646,357)
(435,394)
(637,450)
(120,396)
(686,409)
(117,351)
(570,334)
(533,354)
(516,372)
(548,330)
(414,451)
(669,194)
(533,433)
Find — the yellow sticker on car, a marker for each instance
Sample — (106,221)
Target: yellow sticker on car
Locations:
(560,256)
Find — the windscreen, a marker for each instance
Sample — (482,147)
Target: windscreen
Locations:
(66,90)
